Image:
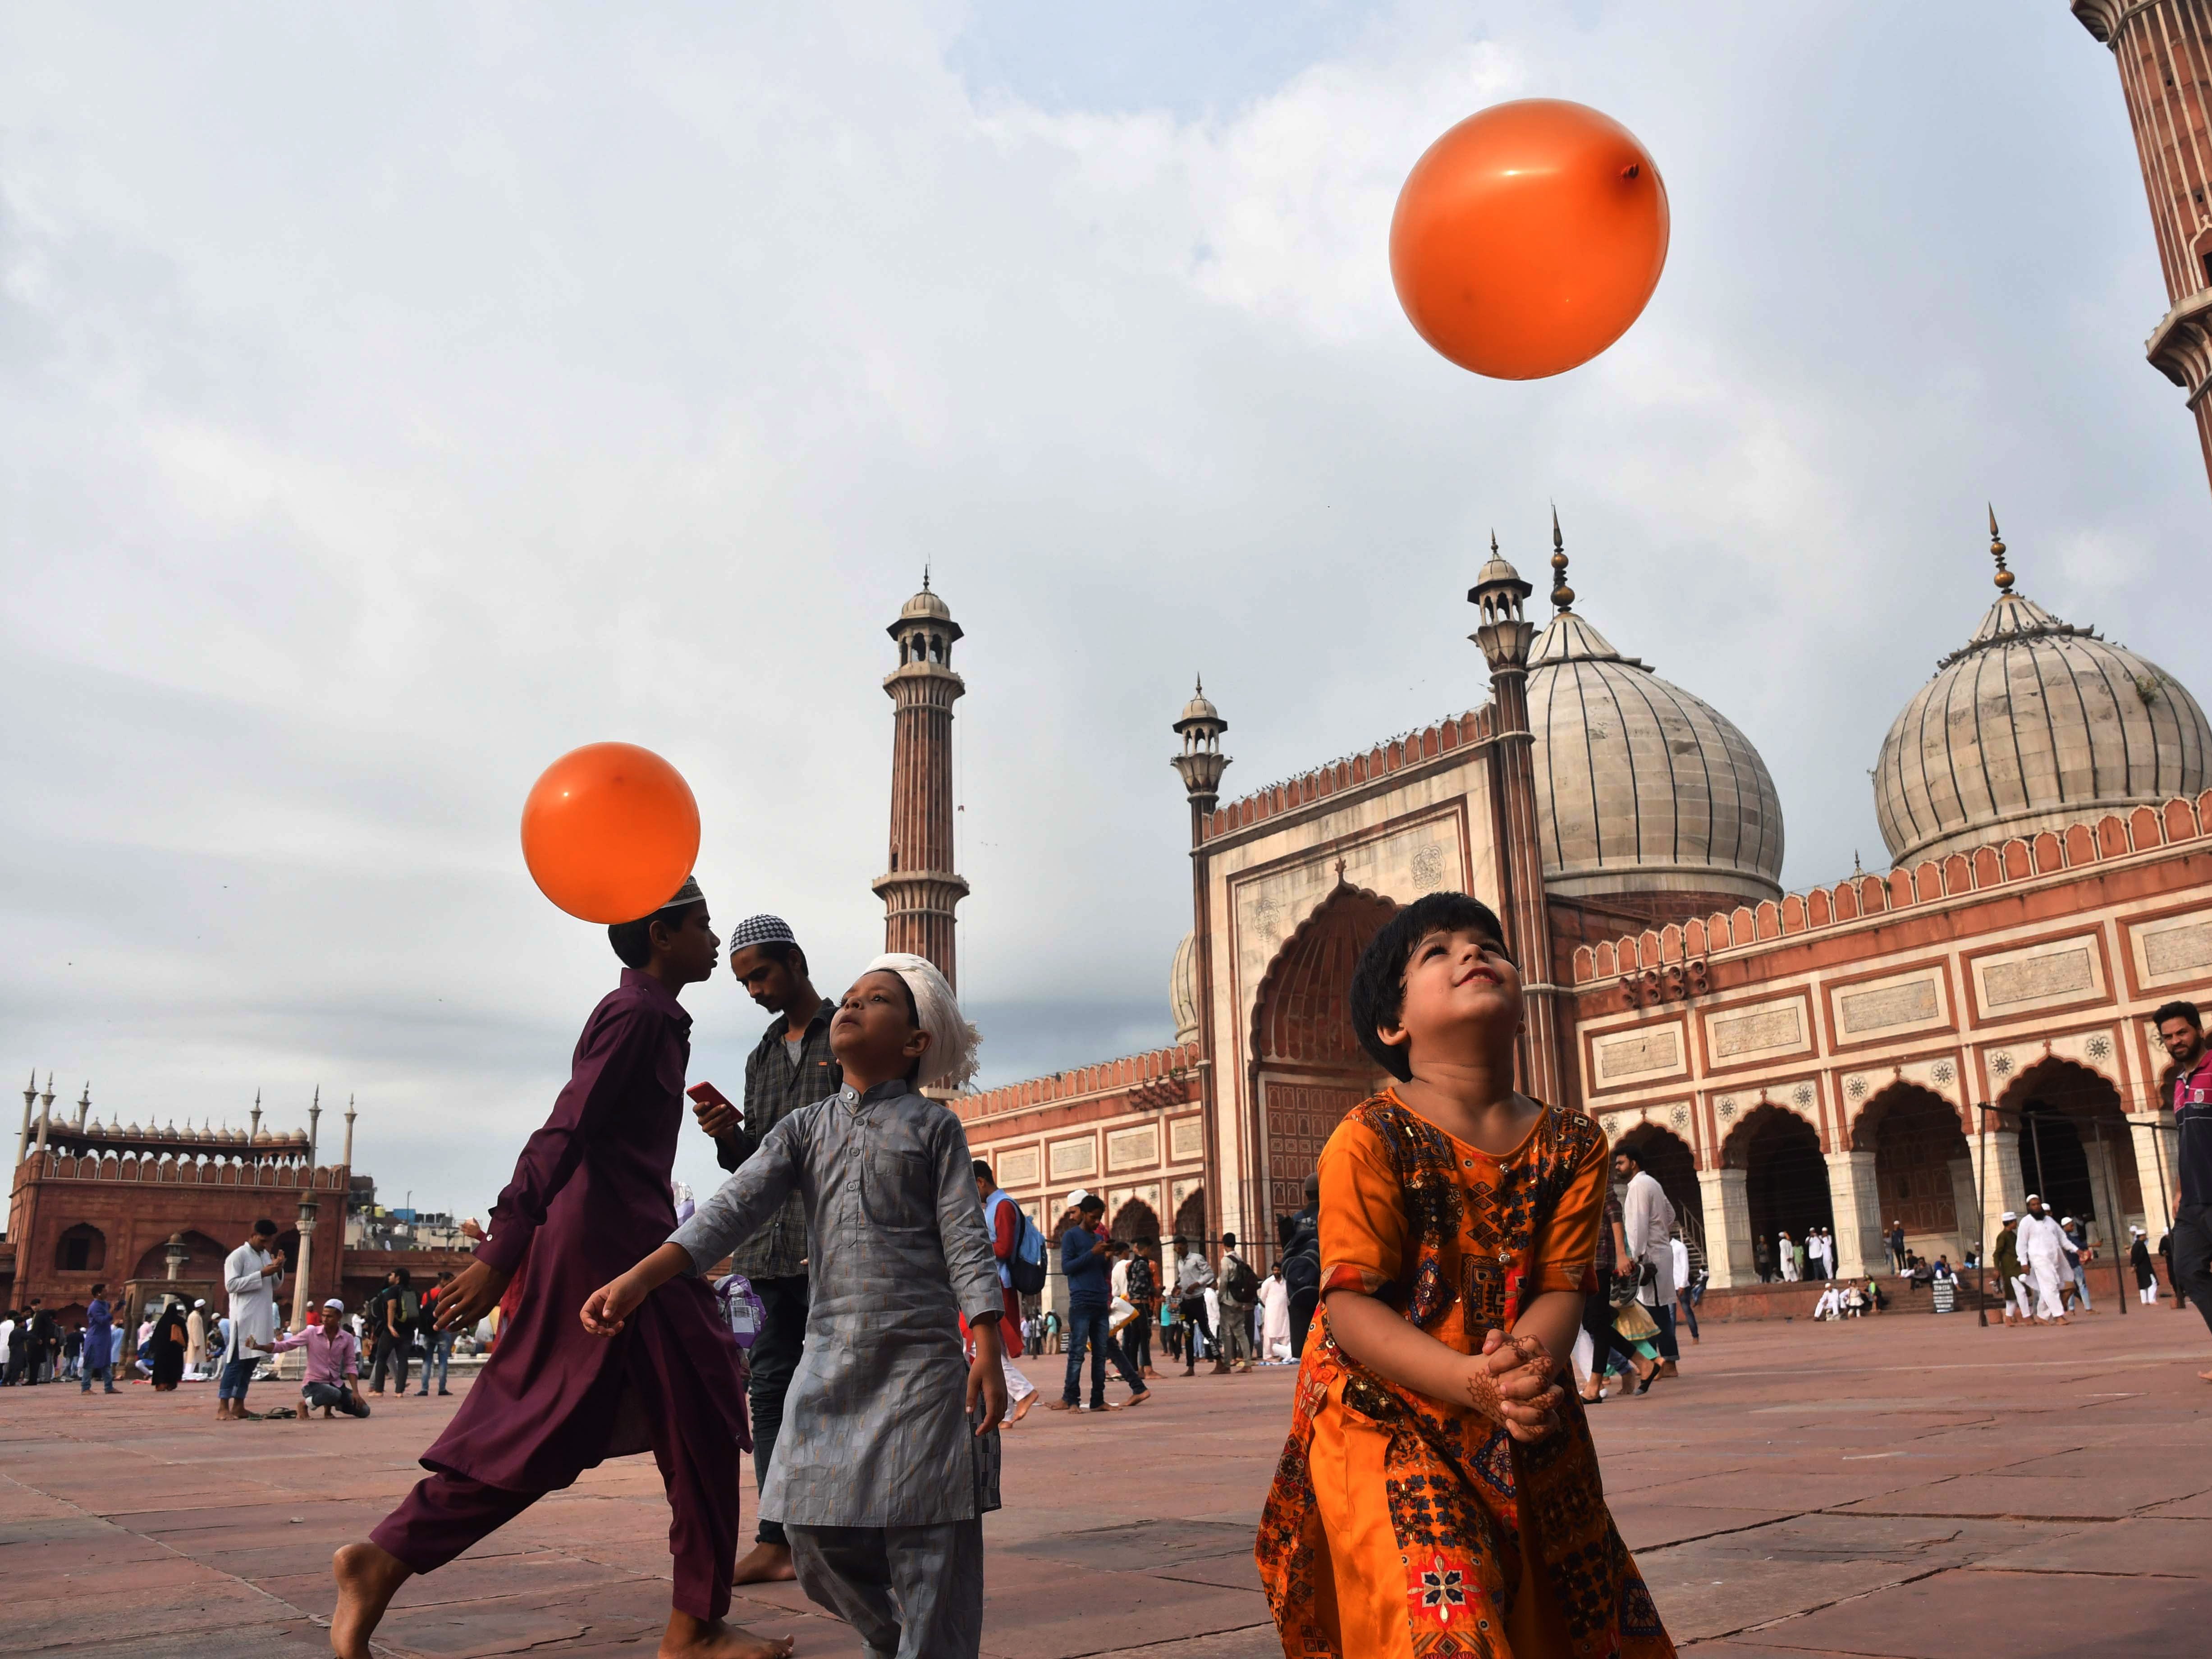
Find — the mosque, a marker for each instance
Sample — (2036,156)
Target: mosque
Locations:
(1923,1046)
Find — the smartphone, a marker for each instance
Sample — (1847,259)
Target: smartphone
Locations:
(706,1094)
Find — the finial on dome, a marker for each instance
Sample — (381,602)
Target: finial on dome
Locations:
(925,576)
(1562,597)
(1998,552)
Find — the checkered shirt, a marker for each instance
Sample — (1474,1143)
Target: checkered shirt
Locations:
(775,1089)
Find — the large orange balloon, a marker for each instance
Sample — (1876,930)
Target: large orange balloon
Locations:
(609,832)
(1528,238)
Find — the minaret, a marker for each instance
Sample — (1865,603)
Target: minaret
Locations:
(314,1126)
(1201,765)
(347,1159)
(1201,762)
(1505,636)
(2164,49)
(921,887)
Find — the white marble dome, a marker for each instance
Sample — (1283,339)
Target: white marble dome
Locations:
(1641,787)
(2033,724)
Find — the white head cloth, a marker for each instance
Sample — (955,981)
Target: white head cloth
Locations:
(951,1061)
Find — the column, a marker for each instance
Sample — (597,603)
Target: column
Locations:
(1858,1213)
(2152,1133)
(1962,1200)
(2003,1186)
(1727,1202)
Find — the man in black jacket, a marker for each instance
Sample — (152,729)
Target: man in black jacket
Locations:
(1302,1265)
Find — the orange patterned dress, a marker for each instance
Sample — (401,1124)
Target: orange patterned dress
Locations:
(1403,1528)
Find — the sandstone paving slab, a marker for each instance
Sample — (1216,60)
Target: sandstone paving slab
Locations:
(2105,1462)
(1720,1585)
(2035,1497)
(1972,1616)
(1141,1546)
(1253,1642)
(295,1639)
(187,1614)
(2161,1547)
(1238,1571)
(1650,1523)
(2199,1508)
(540,1574)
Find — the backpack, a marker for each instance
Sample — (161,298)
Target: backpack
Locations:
(1025,1267)
(1243,1286)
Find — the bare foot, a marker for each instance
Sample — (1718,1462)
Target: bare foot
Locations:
(369,1577)
(765,1564)
(1059,1405)
(687,1637)
(2205,1376)
(1022,1409)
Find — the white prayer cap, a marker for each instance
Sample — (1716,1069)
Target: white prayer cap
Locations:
(2035,1197)
(951,1061)
(2066,1221)
(332,1302)
(1075,1199)
(202,1302)
(2007,1216)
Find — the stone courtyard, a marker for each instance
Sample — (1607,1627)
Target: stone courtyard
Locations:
(1909,1487)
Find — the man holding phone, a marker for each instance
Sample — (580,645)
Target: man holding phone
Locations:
(790,1067)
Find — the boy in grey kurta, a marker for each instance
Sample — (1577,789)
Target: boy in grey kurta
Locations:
(889,1452)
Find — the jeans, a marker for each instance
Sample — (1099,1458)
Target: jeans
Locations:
(1236,1331)
(773,1357)
(439,1354)
(236,1373)
(2081,1284)
(2189,1266)
(1664,1318)
(1137,1342)
(315,1395)
(105,1373)
(1191,1310)
(392,1351)
(1597,1320)
(1087,1327)
(1687,1305)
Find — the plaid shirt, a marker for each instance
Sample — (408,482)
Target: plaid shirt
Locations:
(775,1089)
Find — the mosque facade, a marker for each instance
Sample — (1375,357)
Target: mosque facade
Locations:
(1924,1046)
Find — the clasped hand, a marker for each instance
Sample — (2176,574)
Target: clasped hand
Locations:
(1509,1382)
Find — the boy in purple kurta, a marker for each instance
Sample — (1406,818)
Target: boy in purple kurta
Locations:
(590,1196)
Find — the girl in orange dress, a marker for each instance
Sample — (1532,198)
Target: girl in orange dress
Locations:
(1438,1495)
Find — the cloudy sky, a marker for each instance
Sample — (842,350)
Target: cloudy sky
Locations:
(392,400)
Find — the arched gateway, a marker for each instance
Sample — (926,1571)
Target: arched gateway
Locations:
(1308,1068)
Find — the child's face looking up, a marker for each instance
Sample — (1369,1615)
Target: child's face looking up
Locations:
(1462,998)
(872,1035)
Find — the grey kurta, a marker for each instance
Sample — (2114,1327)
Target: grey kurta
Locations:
(875,1430)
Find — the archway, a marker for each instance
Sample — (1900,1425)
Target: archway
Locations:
(1135,1223)
(2074,1149)
(1308,1068)
(81,1249)
(1785,1177)
(1666,1157)
(1190,1217)
(1922,1172)
(205,1260)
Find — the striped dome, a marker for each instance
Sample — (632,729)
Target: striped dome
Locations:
(1640,786)
(2032,725)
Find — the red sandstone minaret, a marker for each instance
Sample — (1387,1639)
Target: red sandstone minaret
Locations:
(1505,636)
(921,888)
(2164,48)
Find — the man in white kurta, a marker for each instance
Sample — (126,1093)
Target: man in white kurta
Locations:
(1647,1222)
(2043,1253)
(251,1274)
(1787,1250)
(195,1335)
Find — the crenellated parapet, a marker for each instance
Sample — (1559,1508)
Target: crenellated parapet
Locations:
(1165,1075)
(1338,776)
(1931,882)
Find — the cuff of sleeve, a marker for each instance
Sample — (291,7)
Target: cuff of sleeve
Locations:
(1582,1281)
(1348,1276)
(504,1250)
(703,1250)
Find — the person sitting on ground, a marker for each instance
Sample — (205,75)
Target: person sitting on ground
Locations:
(1458,1225)
(333,1378)
(1831,1305)
(1855,1304)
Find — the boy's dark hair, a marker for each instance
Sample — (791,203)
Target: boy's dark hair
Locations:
(2178,1010)
(1091,1205)
(981,1171)
(1378,983)
(99,1286)
(264,1228)
(632,940)
(403,1280)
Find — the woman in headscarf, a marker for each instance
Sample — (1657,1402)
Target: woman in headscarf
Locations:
(168,1346)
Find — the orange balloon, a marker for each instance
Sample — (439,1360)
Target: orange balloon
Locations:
(1528,238)
(609,832)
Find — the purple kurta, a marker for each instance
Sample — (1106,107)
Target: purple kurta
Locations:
(590,1199)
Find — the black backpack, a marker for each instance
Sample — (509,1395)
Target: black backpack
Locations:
(1244,1285)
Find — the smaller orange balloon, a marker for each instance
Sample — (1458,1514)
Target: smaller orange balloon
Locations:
(609,832)
(1528,238)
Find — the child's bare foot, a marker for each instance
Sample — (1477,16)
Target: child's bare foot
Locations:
(687,1637)
(369,1577)
(1022,1410)
(765,1564)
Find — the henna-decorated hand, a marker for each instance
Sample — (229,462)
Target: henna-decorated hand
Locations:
(1509,1382)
